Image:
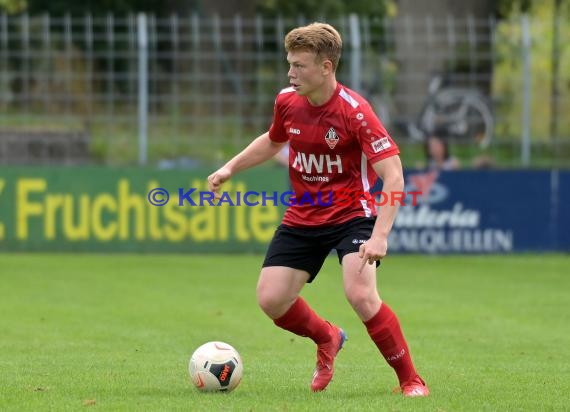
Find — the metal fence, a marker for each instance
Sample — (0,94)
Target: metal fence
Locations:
(189,88)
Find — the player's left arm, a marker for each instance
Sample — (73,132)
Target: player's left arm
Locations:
(390,171)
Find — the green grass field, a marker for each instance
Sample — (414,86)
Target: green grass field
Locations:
(115,332)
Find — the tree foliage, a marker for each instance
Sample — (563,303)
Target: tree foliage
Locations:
(97,7)
(12,6)
(505,8)
(545,79)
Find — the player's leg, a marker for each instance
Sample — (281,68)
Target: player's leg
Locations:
(278,288)
(381,323)
(278,296)
(293,259)
(360,290)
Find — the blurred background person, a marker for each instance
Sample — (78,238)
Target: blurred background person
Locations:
(438,156)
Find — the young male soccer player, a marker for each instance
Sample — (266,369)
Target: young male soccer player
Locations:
(336,143)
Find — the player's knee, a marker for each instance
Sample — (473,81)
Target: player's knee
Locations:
(268,299)
(354,295)
(361,299)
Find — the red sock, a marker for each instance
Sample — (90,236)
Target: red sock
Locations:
(384,329)
(303,321)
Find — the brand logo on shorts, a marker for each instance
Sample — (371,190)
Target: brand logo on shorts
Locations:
(357,241)
(331,138)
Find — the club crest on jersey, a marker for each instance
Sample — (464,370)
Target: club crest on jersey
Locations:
(331,138)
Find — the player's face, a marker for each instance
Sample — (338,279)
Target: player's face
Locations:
(307,75)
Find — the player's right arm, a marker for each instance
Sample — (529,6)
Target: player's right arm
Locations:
(258,151)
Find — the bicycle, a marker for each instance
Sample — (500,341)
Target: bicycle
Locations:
(461,114)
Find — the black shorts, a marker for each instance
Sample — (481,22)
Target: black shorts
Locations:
(307,248)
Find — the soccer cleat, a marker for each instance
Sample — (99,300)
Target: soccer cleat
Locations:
(414,388)
(326,352)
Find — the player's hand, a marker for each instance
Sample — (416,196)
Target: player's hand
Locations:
(372,250)
(216,179)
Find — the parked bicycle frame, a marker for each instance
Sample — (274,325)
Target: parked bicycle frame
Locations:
(459,114)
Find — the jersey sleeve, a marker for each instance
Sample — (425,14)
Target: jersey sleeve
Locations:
(371,134)
(277,129)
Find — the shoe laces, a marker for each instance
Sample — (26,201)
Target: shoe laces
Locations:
(323,357)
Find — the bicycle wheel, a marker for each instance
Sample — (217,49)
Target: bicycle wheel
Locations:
(458,114)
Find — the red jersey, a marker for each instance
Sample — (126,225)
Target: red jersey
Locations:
(332,149)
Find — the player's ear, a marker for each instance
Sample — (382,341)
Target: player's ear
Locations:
(327,67)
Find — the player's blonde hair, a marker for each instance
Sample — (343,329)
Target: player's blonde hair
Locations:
(319,38)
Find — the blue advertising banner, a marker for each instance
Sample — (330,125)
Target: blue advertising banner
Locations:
(484,212)
(560,224)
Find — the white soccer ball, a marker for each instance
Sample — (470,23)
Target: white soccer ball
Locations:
(216,367)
